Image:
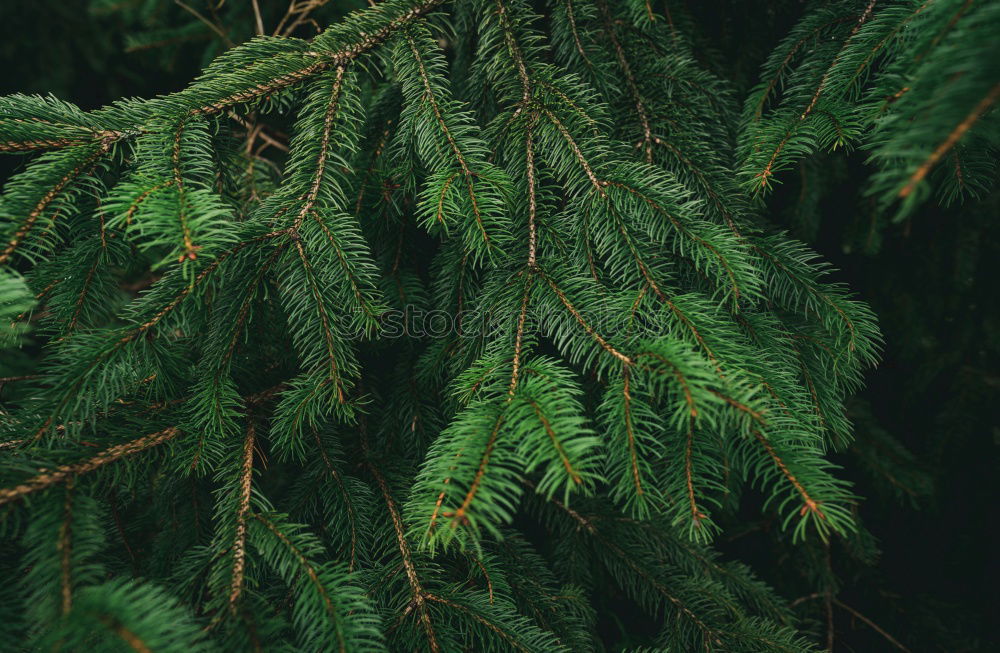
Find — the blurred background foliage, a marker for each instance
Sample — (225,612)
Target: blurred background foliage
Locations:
(925,457)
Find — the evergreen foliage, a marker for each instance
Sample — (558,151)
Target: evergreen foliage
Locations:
(248,429)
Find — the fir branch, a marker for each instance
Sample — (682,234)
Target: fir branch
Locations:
(324,151)
(351,516)
(65,547)
(626,328)
(239,546)
(333,376)
(640,108)
(52,144)
(799,44)
(584,324)
(64,473)
(953,137)
(629,430)
(419,596)
(808,503)
(468,174)
(492,626)
(710,635)
(23,230)
(311,573)
(322,61)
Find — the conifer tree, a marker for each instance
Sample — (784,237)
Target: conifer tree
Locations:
(491,353)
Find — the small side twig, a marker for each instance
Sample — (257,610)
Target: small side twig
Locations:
(215,28)
(892,640)
(257,18)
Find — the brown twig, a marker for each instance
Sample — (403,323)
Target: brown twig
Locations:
(892,640)
(211,25)
(258,20)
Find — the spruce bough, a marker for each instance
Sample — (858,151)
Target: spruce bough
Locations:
(248,453)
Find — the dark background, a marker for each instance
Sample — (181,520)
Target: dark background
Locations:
(928,279)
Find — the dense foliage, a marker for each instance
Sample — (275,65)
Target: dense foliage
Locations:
(458,326)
